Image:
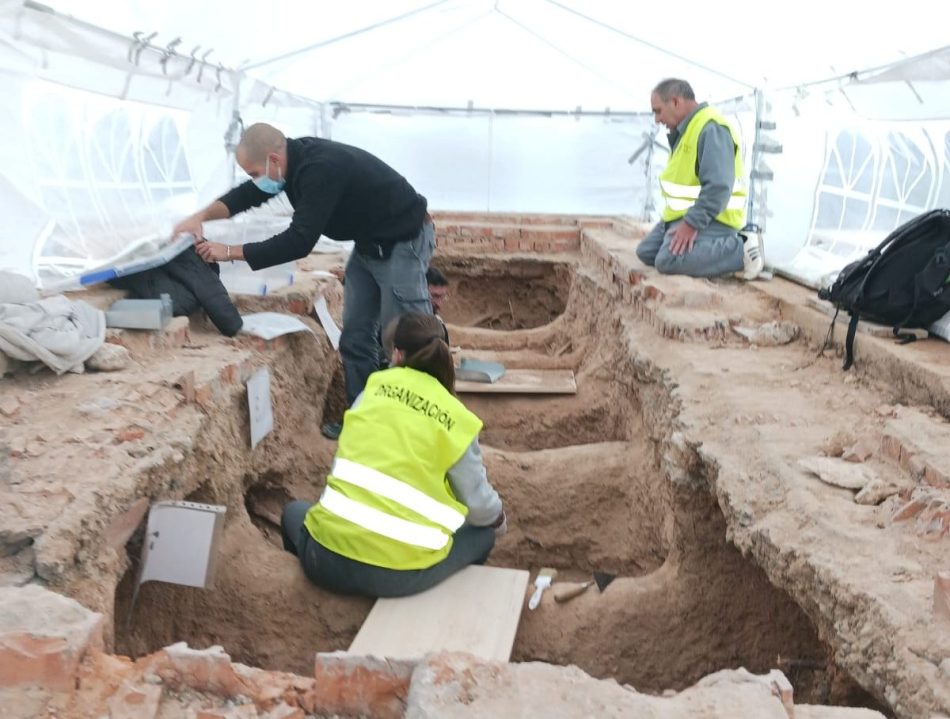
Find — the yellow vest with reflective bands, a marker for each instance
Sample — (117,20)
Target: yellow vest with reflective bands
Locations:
(680,183)
(388,501)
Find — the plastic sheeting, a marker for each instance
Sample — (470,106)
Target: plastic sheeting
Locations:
(509,164)
(112,140)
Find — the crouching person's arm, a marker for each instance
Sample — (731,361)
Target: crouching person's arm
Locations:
(471,487)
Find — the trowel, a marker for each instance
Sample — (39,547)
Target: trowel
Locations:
(473,370)
(601,579)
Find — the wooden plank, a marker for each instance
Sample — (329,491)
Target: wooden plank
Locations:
(475,610)
(528,381)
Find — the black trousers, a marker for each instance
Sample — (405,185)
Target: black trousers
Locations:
(336,573)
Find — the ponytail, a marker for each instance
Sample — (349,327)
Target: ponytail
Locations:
(422,339)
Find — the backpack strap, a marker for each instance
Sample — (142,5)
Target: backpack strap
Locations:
(849,342)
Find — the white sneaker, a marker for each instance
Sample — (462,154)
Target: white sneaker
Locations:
(752,261)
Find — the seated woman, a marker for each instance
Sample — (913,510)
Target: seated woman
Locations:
(407,501)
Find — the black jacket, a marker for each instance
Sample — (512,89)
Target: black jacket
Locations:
(339,191)
(192,284)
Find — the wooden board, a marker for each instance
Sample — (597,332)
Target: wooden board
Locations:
(475,610)
(527,381)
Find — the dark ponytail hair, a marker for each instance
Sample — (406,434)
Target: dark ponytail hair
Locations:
(422,339)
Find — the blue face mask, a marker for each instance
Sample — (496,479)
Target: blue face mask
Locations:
(266,184)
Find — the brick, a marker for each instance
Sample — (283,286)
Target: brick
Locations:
(129,434)
(909,510)
(936,477)
(860,451)
(348,685)
(782,688)
(201,669)
(138,701)
(44,637)
(941,602)
(123,525)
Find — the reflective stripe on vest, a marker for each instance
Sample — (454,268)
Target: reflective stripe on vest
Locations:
(381,523)
(680,185)
(408,496)
(674,203)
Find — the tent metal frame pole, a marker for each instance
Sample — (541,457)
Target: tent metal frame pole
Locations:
(342,107)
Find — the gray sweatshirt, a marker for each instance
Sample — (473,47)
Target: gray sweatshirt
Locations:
(715,167)
(469,482)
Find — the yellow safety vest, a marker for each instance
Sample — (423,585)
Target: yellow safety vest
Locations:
(680,183)
(388,501)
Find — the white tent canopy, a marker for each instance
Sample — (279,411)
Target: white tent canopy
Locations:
(122,108)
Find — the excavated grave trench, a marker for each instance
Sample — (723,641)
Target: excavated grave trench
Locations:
(590,483)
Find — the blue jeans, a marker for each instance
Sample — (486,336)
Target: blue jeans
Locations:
(716,251)
(374,292)
(336,573)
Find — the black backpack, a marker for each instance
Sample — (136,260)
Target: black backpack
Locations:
(903,282)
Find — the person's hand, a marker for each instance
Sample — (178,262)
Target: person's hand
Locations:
(501,524)
(212,251)
(190,225)
(682,239)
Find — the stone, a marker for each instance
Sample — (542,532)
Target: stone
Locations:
(109,358)
(835,445)
(138,701)
(17,569)
(187,384)
(860,451)
(44,637)
(770,334)
(245,711)
(284,711)
(9,405)
(837,473)
(875,492)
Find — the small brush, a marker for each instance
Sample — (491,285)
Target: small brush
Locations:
(541,582)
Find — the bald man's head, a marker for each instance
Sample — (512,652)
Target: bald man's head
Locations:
(262,148)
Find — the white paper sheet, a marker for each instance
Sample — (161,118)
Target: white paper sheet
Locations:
(329,326)
(272,324)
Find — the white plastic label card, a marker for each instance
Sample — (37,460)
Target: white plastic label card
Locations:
(259,405)
(180,543)
(329,326)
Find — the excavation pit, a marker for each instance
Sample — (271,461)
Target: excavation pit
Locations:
(591,482)
(504,294)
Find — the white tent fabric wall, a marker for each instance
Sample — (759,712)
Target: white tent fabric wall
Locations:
(505,163)
(857,162)
(85,174)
